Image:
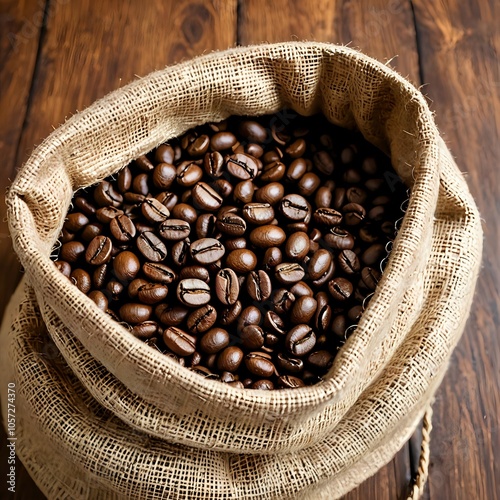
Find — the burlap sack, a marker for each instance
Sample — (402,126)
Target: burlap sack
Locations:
(126,419)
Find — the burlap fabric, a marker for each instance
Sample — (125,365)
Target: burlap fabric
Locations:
(109,416)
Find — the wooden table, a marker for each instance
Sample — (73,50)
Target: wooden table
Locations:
(58,56)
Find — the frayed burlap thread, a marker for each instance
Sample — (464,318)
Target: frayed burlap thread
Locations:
(200,438)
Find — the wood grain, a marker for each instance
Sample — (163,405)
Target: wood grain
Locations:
(459,53)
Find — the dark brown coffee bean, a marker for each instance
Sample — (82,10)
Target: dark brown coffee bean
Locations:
(205,226)
(199,146)
(152,293)
(107,214)
(84,205)
(348,262)
(99,251)
(282,300)
(214,340)
(339,239)
(164,175)
(75,221)
(324,162)
(267,236)
(271,193)
(289,272)
(308,184)
(241,261)
(247,383)
(258,285)
(263,385)
(352,176)
(253,131)
(273,172)
(296,169)
(100,299)
(327,216)
(300,340)
(272,257)
(227,287)
(91,231)
(193,292)
(320,360)
(303,310)
(205,197)
(356,195)
(134,285)
(258,213)
(171,315)
(145,330)
(231,224)
(99,275)
(63,267)
(370,277)
(241,166)
(354,214)
(297,148)
(372,254)
(289,364)
(258,363)
(131,200)
(354,313)
(323,197)
(151,247)
(251,315)
(135,313)
(229,360)
(273,323)
(301,289)
(122,228)
(323,314)
(290,382)
(140,184)
(180,252)
(214,164)
(198,272)
(159,273)
(178,341)
(106,195)
(295,207)
(235,244)
(297,246)
(72,251)
(201,319)
(126,265)
(168,199)
(144,164)
(244,191)
(230,314)
(174,229)
(154,211)
(82,280)
(114,289)
(319,263)
(340,288)
(223,140)
(188,174)
(164,153)
(206,250)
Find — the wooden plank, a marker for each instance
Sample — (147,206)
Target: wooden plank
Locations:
(460,49)
(382,30)
(20,25)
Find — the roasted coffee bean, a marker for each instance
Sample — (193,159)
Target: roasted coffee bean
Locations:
(199,146)
(63,267)
(348,262)
(370,277)
(144,164)
(271,193)
(272,257)
(300,340)
(84,205)
(354,214)
(201,319)
(273,323)
(258,285)
(296,169)
(81,279)
(154,211)
(114,289)
(340,288)
(229,360)
(213,164)
(339,239)
(259,364)
(372,254)
(75,222)
(354,313)
(253,131)
(122,228)
(140,184)
(168,199)
(301,289)
(251,315)
(198,272)
(325,277)
(135,313)
(106,195)
(145,330)
(320,360)
(206,250)
(99,275)
(297,148)
(290,382)
(252,337)
(263,385)
(107,214)
(193,292)
(159,273)
(178,341)
(152,293)
(227,377)
(244,191)
(297,246)
(258,213)
(91,231)
(205,225)
(242,166)
(151,247)
(72,251)
(205,197)
(308,183)
(171,315)
(100,299)
(180,251)
(289,364)
(323,197)
(242,260)
(303,310)
(235,244)
(319,263)
(273,172)
(295,207)
(324,162)
(231,225)
(267,236)
(214,340)
(223,140)
(99,251)
(134,285)
(282,300)
(126,265)
(289,272)
(188,174)
(356,195)
(174,229)
(164,175)
(230,314)
(227,287)
(164,153)
(327,216)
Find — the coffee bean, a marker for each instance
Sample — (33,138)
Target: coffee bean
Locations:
(300,340)
(135,313)
(106,195)
(297,148)
(323,197)
(140,184)
(296,169)
(91,231)
(145,330)
(242,260)
(231,224)
(273,172)
(297,246)
(356,195)
(84,205)
(370,277)
(267,236)
(188,174)
(372,254)
(144,164)
(174,229)
(134,285)
(258,213)
(178,341)
(303,310)
(152,293)
(107,214)
(82,280)
(75,222)
(252,337)
(201,319)
(295,207)
(253,131)
(199,146)
(271,193)
(260,364)
(72,251)
(229,360)
(263,385)
(126,265)
(63,267)
(122,228)
(339,239)
(168,199)
(230,314)
(320,360)
(282,300)
(289,364)
(308,183)
(319,263)
(99,251)
(100,299)
(159,273)
(235,244)
(259,285)
(223,140)
(241,166)
(171,315)
(154,211)
(99,275)
(251,315)
(354,214)
(227,287)
(151,247)
(205,197)
(324,162)
(290,382)
(164,175)
(114,289)
(348,262)
(289,272)
(214,340)
(206,250)
(340,288)
(180,251)
(198,272)
(193,292)
(301,289)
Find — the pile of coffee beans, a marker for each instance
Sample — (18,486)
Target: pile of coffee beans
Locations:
(246,250)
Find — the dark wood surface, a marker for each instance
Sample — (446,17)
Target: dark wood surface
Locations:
(58,56)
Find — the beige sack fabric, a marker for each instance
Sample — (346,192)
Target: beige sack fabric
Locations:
(112,416)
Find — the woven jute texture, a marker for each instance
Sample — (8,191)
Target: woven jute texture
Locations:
(105,415)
